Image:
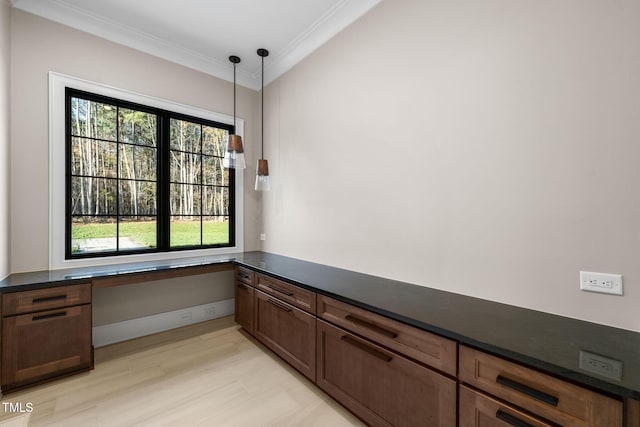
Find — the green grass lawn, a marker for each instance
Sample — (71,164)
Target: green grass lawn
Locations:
(183,233)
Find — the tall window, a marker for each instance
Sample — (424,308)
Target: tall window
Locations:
(141,179)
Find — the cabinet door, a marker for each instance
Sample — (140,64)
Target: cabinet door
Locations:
(43,344)
(382,387)
(244,306)
(288,331)
(479,410)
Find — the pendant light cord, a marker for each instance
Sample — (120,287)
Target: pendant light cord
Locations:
(262,119)
(234,97)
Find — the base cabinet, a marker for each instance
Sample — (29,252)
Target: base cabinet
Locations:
(539,394)
(244,309)
(287,331)
(380,386)
(45,344)
(244,299)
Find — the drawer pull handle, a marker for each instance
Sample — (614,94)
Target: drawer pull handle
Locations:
(241,286)
(282,291)
(511,420)
(243,275)
(531,392)
(49,316)
(375,353)
(277,304)
(48,299)
(371,326)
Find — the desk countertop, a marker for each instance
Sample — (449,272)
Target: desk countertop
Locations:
(548,342)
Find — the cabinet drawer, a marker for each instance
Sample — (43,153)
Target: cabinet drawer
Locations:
(541,394)
(287,331)
(479,410)
(422,346)
(292,294)
(244,275)
(381,387)
(45,344)
(45,299)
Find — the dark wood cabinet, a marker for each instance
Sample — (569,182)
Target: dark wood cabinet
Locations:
(45,299)
(424,347)
(380,386)
(244,275)
(540,394)
(480,410)
(38,345)
(245,299)
(287,331)
(291,294)
(244,306)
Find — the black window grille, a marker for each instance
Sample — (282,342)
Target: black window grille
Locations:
(142,179)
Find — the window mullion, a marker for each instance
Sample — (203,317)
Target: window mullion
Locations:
(163,173)
(117,179)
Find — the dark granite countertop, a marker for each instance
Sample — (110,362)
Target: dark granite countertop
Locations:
(548,342)
(48,278)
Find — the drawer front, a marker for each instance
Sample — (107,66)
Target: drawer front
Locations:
(287,331)
(45,299)
(541,394)
(422,346)
(244,275)
(292,294)
(479,410)
(380,386)
(44,344)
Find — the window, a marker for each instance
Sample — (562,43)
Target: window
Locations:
(143,179)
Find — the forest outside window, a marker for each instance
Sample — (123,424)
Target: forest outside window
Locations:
(142,179)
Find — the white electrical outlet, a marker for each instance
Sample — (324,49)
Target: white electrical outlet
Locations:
(601,282)
(601,365)
(263,236)
(185,315)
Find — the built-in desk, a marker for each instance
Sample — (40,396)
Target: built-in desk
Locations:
(552,344)
(120,274)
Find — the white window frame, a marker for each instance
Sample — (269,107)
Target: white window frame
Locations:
(57,84)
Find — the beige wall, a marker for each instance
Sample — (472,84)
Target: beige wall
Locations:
(120,303)
(488,148)
(5,67)
(40,46)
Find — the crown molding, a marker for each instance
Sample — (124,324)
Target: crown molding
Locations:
(326,27)
(331,23)
(66,14)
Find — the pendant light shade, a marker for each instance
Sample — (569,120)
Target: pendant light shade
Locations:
(262,169)
(262,175)
(234,154)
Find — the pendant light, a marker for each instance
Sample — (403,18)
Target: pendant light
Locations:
(262,169)
(234,155)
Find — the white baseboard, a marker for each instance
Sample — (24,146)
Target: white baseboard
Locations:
(134,328)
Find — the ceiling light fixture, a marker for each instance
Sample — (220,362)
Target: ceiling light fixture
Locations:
(234,156)
(262,169)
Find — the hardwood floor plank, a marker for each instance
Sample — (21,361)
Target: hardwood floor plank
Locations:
(206,374)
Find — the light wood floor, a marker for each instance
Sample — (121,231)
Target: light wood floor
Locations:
(209,374)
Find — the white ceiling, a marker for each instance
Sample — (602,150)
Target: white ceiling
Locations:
(201,34)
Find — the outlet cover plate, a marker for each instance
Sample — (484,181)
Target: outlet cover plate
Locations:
(601,365)
(601,282)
